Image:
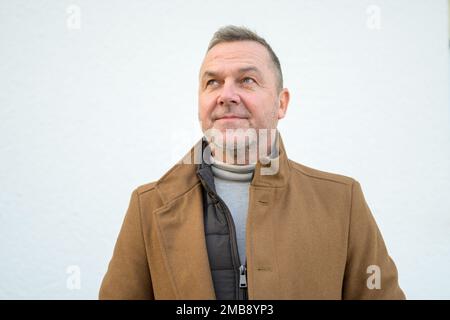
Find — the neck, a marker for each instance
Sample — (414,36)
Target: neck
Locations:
(233,172)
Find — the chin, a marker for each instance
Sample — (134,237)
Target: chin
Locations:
(233,141)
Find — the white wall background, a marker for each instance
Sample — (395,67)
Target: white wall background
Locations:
(88,114)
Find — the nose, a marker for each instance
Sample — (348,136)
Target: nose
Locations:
(228,95)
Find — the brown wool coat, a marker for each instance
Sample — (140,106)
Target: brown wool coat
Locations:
(309,235)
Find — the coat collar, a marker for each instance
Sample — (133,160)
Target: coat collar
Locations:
(180,224)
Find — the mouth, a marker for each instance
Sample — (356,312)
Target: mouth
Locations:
(231,117)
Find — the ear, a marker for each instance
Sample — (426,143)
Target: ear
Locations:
(283,102)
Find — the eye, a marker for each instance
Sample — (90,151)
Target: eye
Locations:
(210,82)
(248,80)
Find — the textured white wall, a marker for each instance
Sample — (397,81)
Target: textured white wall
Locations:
(89,113)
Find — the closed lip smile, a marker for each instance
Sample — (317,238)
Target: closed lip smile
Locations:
(230,116)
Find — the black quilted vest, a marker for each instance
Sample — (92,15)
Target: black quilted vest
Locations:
(228,272)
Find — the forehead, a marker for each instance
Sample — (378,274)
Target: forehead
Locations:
(237,54)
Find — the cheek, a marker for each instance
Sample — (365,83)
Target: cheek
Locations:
(205,109)
(255,104)
(203,106)
(261,107)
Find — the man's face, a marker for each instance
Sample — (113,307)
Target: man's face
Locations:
(238,88)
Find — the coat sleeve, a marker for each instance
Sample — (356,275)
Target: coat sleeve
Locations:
(128,274)
(370,273)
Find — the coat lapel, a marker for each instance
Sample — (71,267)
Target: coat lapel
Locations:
(180,229)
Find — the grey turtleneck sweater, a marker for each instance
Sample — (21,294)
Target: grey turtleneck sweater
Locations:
(232,184)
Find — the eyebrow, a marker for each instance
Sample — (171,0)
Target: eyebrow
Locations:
(213,74)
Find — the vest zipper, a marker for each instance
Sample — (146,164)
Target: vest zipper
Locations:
(242,277)
(243,280)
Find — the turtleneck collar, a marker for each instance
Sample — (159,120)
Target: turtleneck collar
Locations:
(232,172)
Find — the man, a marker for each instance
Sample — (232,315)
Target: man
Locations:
(237,219)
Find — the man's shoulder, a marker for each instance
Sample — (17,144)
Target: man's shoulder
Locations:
(173,175)
(146,187)
(320,175)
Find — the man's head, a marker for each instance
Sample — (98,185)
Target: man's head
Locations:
(240,83)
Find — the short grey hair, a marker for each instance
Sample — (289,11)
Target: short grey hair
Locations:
(232,33)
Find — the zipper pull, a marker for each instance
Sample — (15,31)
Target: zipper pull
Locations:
(242,277)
